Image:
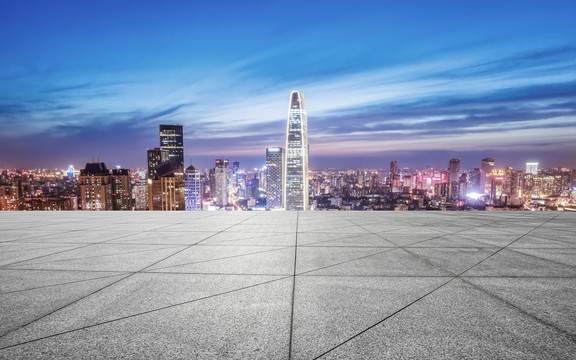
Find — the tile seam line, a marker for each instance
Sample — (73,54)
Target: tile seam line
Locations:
(290,337)
(570,335)
(420,298)
(113,283)
(101,242)
(54,285)
(145,312)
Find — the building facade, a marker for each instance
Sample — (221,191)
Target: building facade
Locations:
(95,187)
(172,139)
(221,177)
(295,184)
(192,189)
(274,176)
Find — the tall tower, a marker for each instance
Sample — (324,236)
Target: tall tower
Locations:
(172,139)
(274,168)
(295,184)
(486,176)
(221,182)
(192,189)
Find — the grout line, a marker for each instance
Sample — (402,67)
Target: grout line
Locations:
(290,338)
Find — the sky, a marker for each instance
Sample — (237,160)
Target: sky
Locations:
(419,82)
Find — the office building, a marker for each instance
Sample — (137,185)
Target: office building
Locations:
(95,187)
(295,184)
(167,191)
(274,176)
(221,183)
(156,157)
(172,139)
(192,189)
(121,189)
(486,176)
(532,168)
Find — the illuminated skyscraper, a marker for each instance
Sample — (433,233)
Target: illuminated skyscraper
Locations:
(274,176)
(172,139)
(192,189)
(221,182)
(454,178)
(532,168)
(486,176)
(121,189)
(156,157)
(295,184)
(95,187)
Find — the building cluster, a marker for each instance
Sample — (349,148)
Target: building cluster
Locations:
(285,183)
(452,188)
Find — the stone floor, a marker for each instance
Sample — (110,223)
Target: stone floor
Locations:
(281,285)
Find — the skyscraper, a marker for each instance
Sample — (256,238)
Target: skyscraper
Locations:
(486,176)
(166,192)
(192,189)
(221,182)
(532,168)
(156,157)
(394,178)
(95,187)
(454,170)
(454,177)
(172,139)
(121,189)
(274,176)
(295,184)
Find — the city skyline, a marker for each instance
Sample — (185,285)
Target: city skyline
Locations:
(385,81)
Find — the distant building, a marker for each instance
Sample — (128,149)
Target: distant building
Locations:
(454,179)
(274,176)
(141,200)
(486,176)
(156,157)
(221,182)
(121,189)
(95,187)
(394,176)
(295,183)
(532,168)
(70,172)
(192,189)
(172,139)
(167,191)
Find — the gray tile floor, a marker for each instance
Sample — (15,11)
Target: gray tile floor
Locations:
(282,285)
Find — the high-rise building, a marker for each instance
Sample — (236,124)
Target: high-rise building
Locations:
(121,189)
(167,191)
(156,157)
(454,170)
(274,176)
(192,189)
(295,184)
(172,139)
(221,182)
(95,187)
(454,178)
(486,176)
(394,176)
(532,168)
(141,196)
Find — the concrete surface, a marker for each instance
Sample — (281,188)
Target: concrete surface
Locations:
(288,285)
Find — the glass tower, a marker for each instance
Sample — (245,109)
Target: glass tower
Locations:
(172,139)
(274,168)
(295,184)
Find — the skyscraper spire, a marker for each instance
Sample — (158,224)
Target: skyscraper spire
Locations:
(296,165)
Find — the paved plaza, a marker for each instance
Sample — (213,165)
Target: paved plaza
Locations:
(288,285)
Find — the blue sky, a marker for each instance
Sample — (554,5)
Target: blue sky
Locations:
(414,81)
